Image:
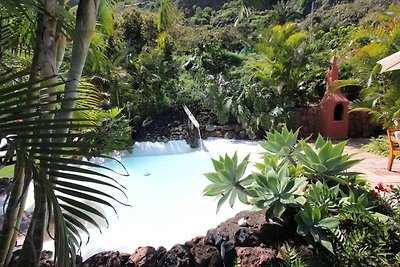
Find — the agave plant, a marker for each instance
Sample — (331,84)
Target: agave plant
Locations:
(336,218)
(228,181)
(313,223)
(320,194)
(277,189)
(326,161)
(282,144)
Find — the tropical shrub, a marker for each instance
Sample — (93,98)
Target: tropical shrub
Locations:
(378,145)
(112,132)
(381,94)
(137,29)
(335,210)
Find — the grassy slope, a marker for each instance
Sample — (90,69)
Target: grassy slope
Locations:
(7,171)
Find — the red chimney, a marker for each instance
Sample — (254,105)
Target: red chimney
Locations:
(334,108)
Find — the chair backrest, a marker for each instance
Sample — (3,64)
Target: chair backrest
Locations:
(392,139)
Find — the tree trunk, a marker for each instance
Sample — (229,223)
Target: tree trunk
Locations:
(61,42)
(33,244)
(12,219)
(48,66)
(85,27)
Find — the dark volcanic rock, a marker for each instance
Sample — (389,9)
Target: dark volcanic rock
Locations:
(203,253)
(259,229)
(243,237)
(228,253)
(44,261)
(206,255)
(215,238)
(160,253)
(258,256)
(171,124)
(144,257)
(178,255)
(106,258)
(228,229)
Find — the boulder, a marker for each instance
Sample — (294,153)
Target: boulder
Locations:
(204,254)
(243,134)
(258,256)
(105,258)
(228,128)
(144,257)
(259,230)
(230,135)
(125,260)
(178,256)
(216,134)
(228,229)
(160,253)
(243,237)
(228,253)
(210,128)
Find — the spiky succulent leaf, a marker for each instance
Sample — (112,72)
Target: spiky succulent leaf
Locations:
(326,161)
(313,223)
(281,144)
(227,182)
(277,190)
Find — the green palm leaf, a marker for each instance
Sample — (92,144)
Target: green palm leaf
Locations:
(53,165)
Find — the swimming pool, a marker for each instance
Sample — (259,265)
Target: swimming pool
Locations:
(165,190)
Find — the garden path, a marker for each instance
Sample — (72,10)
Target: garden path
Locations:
(372,165)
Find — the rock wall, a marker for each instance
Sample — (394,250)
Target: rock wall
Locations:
(307,119)
(360,124)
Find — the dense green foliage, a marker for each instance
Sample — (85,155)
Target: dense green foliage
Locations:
(249,64)
(112,132)
(346,222)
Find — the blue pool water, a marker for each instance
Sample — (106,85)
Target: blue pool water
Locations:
(166,197)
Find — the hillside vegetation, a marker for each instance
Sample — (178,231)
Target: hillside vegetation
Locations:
(250,64)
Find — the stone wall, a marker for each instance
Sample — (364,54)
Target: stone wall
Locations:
(360,124)
(307,119)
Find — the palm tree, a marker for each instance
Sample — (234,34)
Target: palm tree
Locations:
(372,42)
(283,57)
(285,11)
(40,132)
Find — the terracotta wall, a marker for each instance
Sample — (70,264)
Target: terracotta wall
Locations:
(307,118)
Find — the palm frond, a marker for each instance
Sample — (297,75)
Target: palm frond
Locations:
(105,16)
(166,16)
(70,190)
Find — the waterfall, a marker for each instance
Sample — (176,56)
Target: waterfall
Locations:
(195,123)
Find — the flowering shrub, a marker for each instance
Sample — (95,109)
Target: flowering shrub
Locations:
(381,189)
